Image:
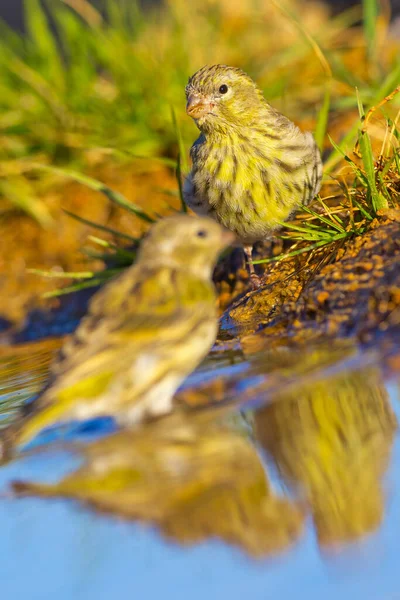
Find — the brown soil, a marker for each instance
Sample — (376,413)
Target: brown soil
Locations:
(356,294)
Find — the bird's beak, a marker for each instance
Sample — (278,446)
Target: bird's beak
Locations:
(198,106)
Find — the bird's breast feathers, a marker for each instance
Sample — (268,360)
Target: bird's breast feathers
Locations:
(251,183)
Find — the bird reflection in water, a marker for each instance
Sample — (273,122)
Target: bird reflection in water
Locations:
(200,474)
(331,441)
(192,477)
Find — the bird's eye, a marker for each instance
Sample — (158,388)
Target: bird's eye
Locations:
(223,89)
(202,233)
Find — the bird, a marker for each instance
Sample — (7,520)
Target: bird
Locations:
(251,166)
(144,333)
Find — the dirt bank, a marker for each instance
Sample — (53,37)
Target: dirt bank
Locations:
(353,290)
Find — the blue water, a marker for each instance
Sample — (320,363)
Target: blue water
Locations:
(60,549)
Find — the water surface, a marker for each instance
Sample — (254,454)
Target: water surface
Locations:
(288,487)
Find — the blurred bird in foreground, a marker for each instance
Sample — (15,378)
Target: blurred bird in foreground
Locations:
(252,167)
(144,333)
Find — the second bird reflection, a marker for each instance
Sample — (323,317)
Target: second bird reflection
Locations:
(331,441)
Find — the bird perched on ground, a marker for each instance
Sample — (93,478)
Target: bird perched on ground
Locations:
(144,333)
(252,167)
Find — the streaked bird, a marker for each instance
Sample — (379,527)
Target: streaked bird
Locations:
(252,167)
(144,333)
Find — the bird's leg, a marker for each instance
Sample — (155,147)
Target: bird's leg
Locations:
(254,278)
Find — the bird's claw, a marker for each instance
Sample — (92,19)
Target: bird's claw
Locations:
(255,281)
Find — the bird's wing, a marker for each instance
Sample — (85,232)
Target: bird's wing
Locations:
(131,316)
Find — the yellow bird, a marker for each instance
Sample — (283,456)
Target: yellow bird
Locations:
(252,167)
(144,333)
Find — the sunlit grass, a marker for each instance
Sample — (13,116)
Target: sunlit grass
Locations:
(83,81)
(367,188)
(110,84)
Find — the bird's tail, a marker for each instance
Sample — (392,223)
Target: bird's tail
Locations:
(25,488)
(11,437)
(8,437)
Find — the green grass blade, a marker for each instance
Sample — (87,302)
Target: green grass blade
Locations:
(397,161)
(322,120)
(119,256)
(181,145)
(73,288)
(388,85)
(44,42)
(377,199)
(309,226)
(293,253)
(92,254)
(331,220)
(180,185)
(99,279)
(61,274)
(387,166)
(370,17)
(100,227)
(305,231)
(100,241)
(360,175)
(338,153)
(323,219)
(360,106)
(125,256)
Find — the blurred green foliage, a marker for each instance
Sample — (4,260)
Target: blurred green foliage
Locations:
(82,80)
(84,86)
